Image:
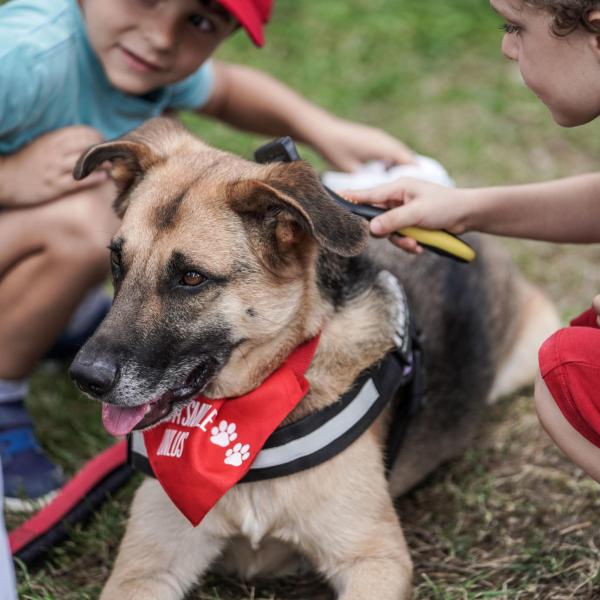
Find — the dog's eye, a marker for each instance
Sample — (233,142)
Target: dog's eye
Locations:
(192,278)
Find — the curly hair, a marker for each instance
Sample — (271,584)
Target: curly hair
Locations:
(569,15)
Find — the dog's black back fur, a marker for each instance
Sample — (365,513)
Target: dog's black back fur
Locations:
(463,329)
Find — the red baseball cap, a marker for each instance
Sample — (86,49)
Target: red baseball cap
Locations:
(252,15)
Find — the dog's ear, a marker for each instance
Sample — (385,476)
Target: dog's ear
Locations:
(294,204)
(130,156)
(129,160)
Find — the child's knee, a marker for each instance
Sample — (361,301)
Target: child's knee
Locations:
(83,227)
(556,352)
(566,387)
(542,399)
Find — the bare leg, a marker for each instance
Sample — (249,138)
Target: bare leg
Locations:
(50,256)
(162,555)
(582,452)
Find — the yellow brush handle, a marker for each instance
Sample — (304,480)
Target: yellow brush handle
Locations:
(442,240)
(439,241)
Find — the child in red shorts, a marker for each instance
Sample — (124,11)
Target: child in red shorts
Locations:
(557,46)
(567,392)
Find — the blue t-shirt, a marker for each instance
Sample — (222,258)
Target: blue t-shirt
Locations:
(50,78)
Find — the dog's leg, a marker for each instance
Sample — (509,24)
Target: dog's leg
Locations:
(367,556)
(538,319)
(161,555)
(380,567)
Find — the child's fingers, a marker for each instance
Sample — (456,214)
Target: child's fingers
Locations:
(66,184)
(380,195)
(395,219)
(96,178)
(347,164)
(405,243)
(71,140)
(401,155)
(69,161)
(79,138)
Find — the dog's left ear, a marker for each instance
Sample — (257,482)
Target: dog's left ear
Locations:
(293,195)
(129,160)
(132,155)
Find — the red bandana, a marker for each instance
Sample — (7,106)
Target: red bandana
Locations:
(209,447)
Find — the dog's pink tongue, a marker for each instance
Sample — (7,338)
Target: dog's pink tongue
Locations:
(120,420)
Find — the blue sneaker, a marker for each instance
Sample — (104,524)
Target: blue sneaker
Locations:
(30,479)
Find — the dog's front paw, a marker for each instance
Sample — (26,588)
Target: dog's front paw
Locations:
(141,588)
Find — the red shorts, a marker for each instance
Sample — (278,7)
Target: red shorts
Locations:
(570,366)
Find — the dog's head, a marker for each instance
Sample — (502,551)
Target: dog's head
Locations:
(214,270)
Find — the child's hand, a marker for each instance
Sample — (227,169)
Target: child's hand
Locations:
(347,145)
(43,170)
(413,203)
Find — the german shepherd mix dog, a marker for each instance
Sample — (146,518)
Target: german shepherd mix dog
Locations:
(222,267)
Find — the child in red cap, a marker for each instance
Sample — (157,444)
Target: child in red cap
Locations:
(557,46)
(75,72)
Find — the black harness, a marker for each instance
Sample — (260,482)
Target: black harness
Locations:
(397,379)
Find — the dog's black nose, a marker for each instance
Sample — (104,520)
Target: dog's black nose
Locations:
(95,378)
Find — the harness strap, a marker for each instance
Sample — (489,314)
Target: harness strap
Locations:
(76,501)
(319,436)
(411,400)
(322,435)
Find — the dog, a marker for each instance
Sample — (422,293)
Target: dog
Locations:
(221,268)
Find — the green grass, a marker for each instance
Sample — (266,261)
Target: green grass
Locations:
(512,519)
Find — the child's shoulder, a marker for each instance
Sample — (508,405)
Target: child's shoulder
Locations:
(38,67)
(31,29)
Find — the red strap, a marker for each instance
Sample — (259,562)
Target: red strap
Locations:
(70,495)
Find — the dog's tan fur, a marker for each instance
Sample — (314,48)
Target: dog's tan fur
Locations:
(178,194)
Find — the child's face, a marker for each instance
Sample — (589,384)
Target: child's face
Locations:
(564,72)
(146,44)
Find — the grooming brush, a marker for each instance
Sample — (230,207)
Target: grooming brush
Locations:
(439,241)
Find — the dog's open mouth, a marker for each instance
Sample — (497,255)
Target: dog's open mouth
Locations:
(121,420)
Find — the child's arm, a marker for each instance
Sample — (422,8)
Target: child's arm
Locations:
(42,170)
(565,210)
(254,101)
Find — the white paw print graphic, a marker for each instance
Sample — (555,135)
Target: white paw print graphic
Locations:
(237,455)
(224,434)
